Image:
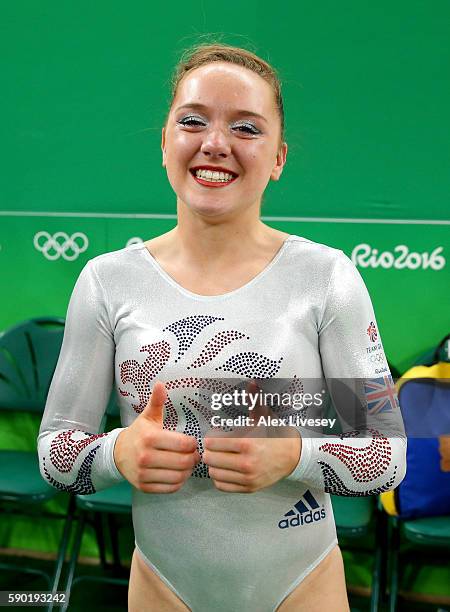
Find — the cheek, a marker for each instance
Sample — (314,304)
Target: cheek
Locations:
(251,156)
(263,151)
(260,160)
(181,146)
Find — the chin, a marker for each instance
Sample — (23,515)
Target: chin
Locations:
(209,208)
(210,211)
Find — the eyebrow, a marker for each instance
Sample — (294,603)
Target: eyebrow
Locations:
(202,107)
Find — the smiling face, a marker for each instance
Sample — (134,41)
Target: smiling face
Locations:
(221,144)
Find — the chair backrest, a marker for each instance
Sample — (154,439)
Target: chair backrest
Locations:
(436,353)
(28,356)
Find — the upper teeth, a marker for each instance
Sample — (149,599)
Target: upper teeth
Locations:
(209,175)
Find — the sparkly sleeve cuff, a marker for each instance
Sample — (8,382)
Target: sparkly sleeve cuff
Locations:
(305,459)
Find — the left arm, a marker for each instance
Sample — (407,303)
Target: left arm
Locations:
(370,456)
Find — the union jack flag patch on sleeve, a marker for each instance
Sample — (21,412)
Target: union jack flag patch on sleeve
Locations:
(381,395)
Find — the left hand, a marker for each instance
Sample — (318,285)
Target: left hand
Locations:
(251,462)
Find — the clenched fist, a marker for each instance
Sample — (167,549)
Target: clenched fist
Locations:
(153,459)
(248,458)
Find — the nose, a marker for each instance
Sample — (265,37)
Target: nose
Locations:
(216,143)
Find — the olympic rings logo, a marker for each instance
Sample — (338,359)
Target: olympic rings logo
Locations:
(134,240)
(376,358)
(61,245)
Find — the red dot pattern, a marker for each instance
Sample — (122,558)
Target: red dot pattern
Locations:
(365,464)
(170,416)
(214,385)
(64,450)
(140,375)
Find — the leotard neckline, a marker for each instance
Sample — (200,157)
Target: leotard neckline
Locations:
(211,298)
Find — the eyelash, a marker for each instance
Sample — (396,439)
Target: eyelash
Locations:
(196,121)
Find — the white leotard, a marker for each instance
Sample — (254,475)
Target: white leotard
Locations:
(306,317)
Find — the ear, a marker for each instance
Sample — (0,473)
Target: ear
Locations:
(163,146)
(279,162)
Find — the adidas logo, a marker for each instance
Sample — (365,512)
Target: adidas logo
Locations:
(307,511)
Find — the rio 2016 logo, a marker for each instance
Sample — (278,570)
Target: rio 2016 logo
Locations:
(364,256)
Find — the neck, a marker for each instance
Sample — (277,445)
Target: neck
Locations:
(220,238)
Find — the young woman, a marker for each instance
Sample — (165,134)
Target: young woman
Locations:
(222,523)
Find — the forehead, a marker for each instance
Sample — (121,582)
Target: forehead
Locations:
(225,85)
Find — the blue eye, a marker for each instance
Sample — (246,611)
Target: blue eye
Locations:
(191,121)
(194,121)
(247,128)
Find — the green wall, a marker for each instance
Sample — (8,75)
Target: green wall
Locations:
(85,90)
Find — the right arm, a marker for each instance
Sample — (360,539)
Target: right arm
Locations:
(73,456)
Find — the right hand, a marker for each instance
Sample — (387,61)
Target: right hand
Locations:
(153,459)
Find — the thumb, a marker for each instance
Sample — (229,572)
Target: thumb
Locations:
(260,409)
(253,390)
(154,410)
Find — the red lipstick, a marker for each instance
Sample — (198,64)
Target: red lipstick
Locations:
(207,183)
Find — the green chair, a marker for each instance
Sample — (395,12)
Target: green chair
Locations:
(358,521)
(360,526)
(428,538)
(99,510)
(28,356)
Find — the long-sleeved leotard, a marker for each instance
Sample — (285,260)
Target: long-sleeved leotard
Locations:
(307,318)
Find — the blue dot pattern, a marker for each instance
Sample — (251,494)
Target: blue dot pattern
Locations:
(215,346)
(193,429)
(334,484)
(295,386)
(187,329)
(252,365)
(83,483)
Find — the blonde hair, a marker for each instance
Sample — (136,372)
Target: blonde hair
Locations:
(202,54)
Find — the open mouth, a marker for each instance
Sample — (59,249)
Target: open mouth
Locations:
(213,177)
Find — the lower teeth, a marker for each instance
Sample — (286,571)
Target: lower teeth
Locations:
(215,180)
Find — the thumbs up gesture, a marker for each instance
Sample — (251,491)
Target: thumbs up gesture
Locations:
(153,459)
(254,460)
